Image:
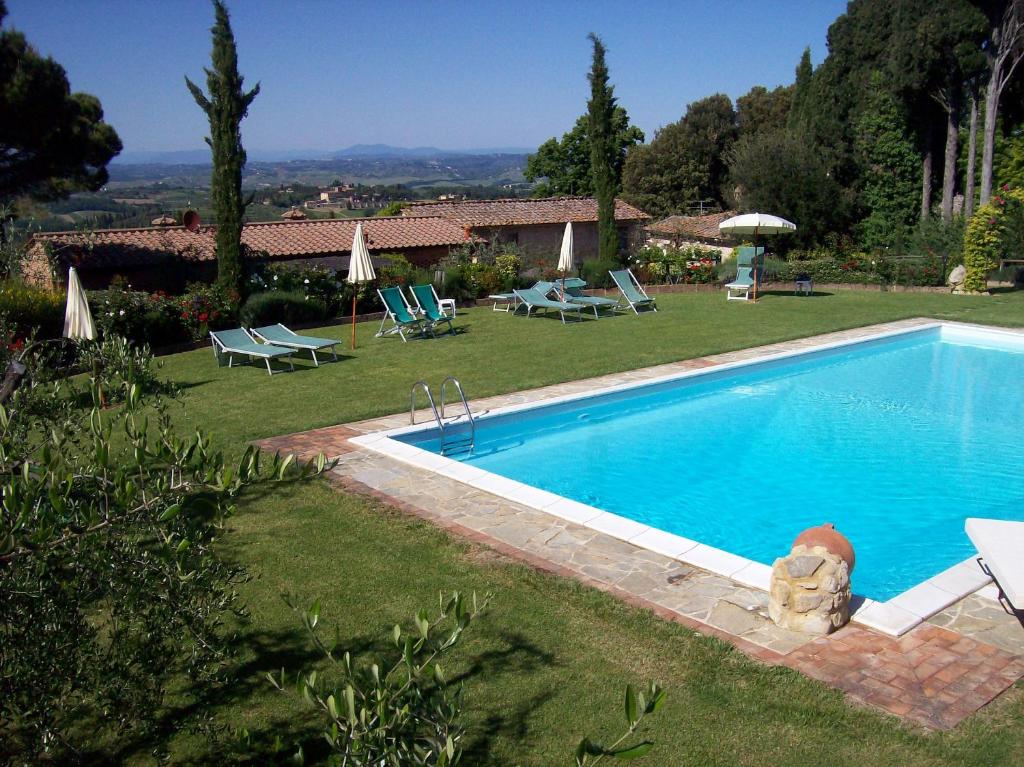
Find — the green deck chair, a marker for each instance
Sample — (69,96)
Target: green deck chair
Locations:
(397,309)
(632,291)
(426,300)
(739,289)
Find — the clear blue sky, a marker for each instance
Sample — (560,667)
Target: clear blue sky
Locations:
(441,73)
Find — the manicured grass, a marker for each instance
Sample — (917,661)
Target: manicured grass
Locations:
(548,663)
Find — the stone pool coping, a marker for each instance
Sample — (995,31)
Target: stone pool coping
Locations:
(894,616)
(934,675)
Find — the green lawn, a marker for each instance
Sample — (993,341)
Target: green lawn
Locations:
(548,662)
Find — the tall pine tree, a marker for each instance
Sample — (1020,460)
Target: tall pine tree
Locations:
(226,106)
(603,151)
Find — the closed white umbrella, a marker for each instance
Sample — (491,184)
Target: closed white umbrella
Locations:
(565,255)
(77,317)
(360,269)
(755,224)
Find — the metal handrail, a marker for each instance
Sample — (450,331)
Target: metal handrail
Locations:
(462,396)
(430,398)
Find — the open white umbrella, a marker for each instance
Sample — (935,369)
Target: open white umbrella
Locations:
(360,269)
(77,317)
(565,256)
(756,224)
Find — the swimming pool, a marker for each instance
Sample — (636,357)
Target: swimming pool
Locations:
(896,439)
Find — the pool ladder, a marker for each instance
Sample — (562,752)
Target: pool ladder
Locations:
(457,442)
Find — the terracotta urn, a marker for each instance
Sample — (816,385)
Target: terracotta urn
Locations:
(831,539)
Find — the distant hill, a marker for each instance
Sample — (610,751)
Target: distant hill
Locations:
(467,169)
(202,156)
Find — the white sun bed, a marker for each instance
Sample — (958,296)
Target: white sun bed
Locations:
(1001,546)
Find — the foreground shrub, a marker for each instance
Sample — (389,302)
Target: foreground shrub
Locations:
(112,580)
(398,711)
(289,307)
(401,710)
(116,365)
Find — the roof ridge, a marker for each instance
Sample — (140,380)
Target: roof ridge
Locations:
(181,227)
(415,203)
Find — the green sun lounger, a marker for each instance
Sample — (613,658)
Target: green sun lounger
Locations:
(532,299)
(280,335)
(397,309)
(632,291)
(739,289)
(573,288)
(228,343)
(427,301)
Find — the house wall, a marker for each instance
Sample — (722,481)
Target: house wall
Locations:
(545,240)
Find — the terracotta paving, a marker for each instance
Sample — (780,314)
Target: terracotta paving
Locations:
(332,441)
(930,675)
(933,676)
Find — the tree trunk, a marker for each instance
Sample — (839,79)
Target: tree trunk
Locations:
(972,159)
(926,176)
(989,136)
(952,149)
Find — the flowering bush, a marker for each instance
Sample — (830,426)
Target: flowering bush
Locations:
(689,264)
(995,229)
(317,282)
(508,266)
(204,308)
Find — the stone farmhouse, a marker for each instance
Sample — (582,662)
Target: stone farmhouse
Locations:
(536,225)
(169,256)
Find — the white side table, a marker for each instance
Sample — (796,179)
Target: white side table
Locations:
(805,287)
(445,304)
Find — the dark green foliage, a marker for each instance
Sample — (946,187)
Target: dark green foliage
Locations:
(595,271)
(289,307)
(604,149)
(225,106)
(782,173)
(800,116)
(52,142)
(686,161)
(565,165)
(760,109)
(112,579)
(891,172)
(398,711)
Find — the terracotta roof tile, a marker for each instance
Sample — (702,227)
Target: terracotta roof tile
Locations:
(278,239)
(705,227)
(548,210)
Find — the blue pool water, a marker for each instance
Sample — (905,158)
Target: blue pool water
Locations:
(895,440)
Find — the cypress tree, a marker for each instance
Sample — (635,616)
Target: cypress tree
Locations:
(801,106)
(600,117)
(226,106)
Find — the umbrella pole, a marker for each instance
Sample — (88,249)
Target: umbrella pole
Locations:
(757,272)
(353,316)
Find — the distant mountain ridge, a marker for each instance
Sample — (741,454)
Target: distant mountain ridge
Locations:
(362,151)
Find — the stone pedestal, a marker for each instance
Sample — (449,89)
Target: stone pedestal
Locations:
(810,591)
